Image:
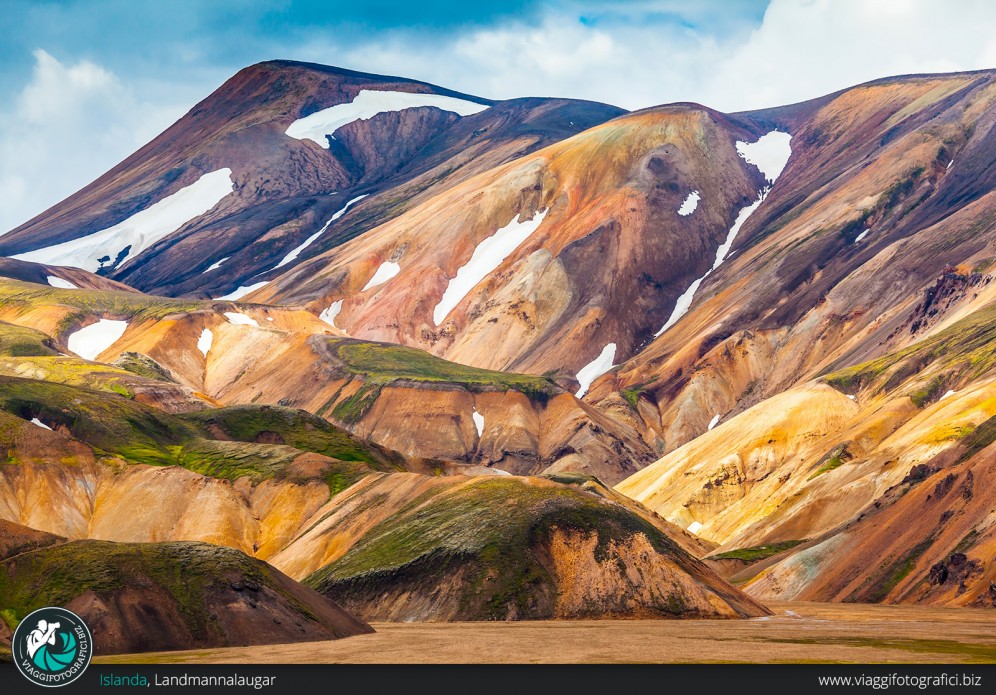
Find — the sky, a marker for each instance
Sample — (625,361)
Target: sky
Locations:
(83,83)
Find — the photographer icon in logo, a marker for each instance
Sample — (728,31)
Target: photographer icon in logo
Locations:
(52,647)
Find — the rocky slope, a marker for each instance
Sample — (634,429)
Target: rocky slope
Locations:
(790,310)
(820,474)
(161,596)
(228,353)
(538,264)
(86,459)
(545,550)
(878,233)
(262,190)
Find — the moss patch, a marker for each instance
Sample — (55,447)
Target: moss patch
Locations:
(832,460)
(382,363)
(757,552)
(17,341)
(963,351)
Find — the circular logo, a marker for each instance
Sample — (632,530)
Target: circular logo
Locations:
(52,647)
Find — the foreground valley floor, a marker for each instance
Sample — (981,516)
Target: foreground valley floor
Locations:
(796,633)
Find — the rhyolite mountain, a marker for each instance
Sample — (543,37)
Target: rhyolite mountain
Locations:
(159,596)
(276,190)
(773,332)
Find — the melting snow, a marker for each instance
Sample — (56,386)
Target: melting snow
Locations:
(684,302)
(770,158)
(216,265)
(328,316)
(60,283)
(713,422)
(385,272)
(36,421)
(240,319)
(367,104)
(769,154)
(113,246)
(314,237)
(691,202)
(204,342)
(694,527)
(478,422)
(92,340)
(861,236)
(488,255)
(242,292)
(596,368)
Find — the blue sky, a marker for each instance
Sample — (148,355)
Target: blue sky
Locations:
(84,83)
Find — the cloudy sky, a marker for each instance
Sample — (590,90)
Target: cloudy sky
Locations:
(83,83)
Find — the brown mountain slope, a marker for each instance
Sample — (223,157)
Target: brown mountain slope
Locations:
(42,274)
(544,551)
(162,596)
(609,257)
(879,232)
(933,533)
(861,465)
(230,353)
(284,188)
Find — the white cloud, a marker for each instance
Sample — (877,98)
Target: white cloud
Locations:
(802,49)
(69,124)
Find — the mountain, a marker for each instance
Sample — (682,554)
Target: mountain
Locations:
(542,263)
(205,353)
(161,596)
(228,185)
(887,195)
(444,358)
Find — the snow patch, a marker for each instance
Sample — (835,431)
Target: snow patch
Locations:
(478,422)
(60,283)
(488,255)
(113,246)
(204,342)
(242,292)
(713,422)
(852,397)
(769,154)
(861,236)
(367,104)
(596,368)
(240,319)
(949,164)
(385,272)
(694,527)
(92,340)
(684,302)
(949,393)
(216,265)
(36,421)
(328,316)
(314,237)
(691,202)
